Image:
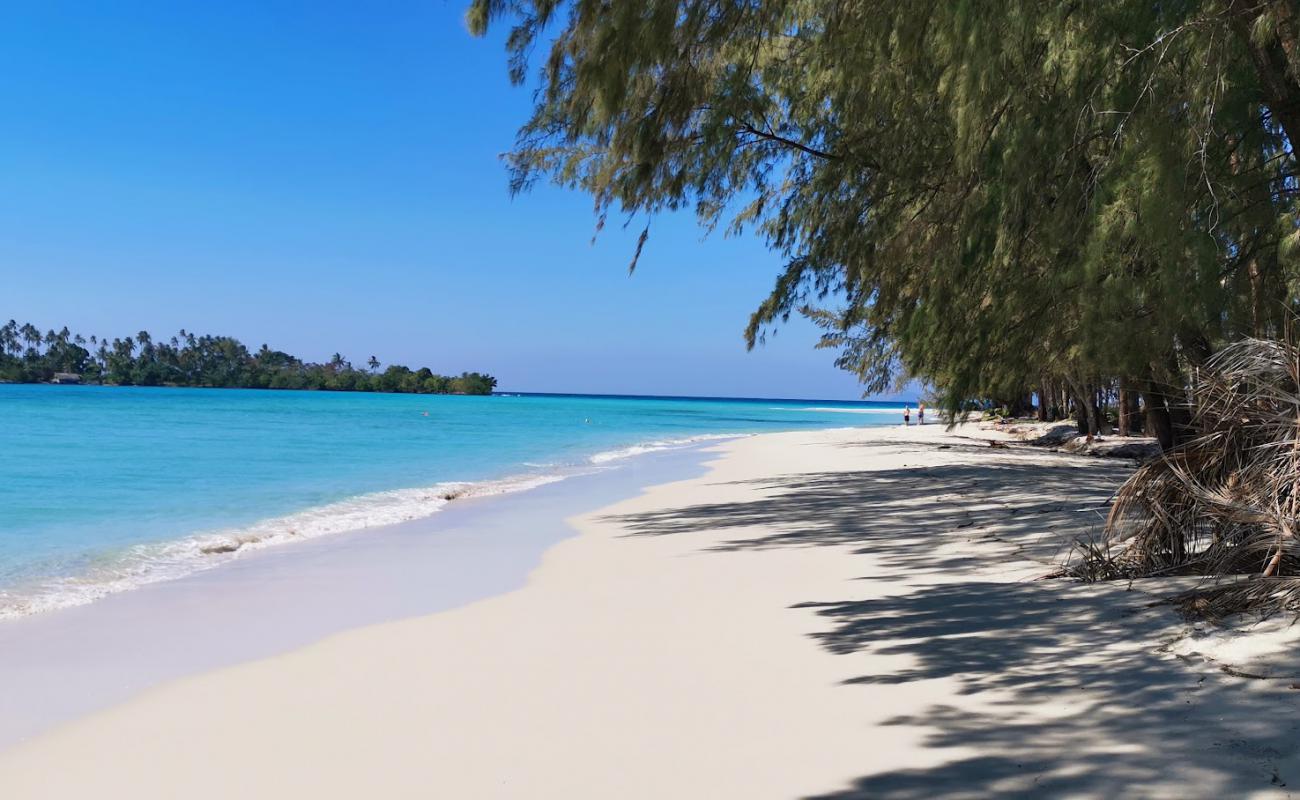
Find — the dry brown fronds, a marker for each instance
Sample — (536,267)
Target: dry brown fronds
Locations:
(1092,560)
(1254,595)
(1226,503)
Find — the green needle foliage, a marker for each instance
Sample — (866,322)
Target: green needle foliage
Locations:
(998,197)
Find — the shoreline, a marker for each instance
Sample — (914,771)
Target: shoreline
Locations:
(109,489)
(277,599)
(146,564)
(839,614)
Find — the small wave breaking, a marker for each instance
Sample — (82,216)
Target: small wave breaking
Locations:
(664,444)
(144,564)
(832,410)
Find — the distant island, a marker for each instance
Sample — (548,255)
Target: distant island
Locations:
(29,356)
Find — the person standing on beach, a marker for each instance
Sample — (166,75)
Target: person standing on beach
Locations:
(920,414)
(907,415)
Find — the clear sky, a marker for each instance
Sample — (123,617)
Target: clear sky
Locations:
(325,176)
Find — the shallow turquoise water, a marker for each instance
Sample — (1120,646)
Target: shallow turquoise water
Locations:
(102,488)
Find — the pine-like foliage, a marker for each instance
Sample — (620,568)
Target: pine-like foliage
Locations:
(987,194)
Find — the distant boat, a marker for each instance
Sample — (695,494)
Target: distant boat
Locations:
(66,377)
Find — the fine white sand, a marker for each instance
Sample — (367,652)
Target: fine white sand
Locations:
(824,614)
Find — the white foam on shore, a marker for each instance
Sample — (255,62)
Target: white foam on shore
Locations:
(144,564)
(827,409)
(663,444)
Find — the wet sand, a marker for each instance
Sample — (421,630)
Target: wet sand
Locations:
(64,664)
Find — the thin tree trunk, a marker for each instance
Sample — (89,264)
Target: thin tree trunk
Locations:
(1125,415)
(1158,422)
(1086,407)
(1180,398)
(1180,418)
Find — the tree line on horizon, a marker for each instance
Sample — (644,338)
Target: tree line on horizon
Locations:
(187,359)
(1067,205)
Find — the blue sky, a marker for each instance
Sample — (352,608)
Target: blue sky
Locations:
(325,176)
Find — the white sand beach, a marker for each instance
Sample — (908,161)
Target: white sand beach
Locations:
(830,614)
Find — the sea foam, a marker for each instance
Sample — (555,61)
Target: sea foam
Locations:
(143,564)
(106,488)
(607,456)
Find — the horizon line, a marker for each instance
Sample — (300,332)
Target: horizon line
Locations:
(634,396)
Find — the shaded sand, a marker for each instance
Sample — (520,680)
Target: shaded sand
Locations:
(827,614)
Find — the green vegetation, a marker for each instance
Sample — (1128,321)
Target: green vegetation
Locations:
(1005,199)
(1012,200)
(28,356)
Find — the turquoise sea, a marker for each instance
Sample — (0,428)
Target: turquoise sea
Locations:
(107,488)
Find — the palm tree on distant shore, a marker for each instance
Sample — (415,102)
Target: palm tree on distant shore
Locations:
(9,338)
(32,336)
(29,356)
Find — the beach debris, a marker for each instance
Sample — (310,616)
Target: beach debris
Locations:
(218,549)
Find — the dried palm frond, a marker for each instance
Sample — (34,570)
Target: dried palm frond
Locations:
(1092,560)
(1255,595)
(1227,502)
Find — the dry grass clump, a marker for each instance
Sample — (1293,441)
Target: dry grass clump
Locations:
(1225,503)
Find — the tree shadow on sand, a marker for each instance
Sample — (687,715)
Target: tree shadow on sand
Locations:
(1013,496)
(1081,702)
(1069,691)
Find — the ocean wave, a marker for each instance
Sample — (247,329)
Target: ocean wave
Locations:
(663,444)
(827,409)
(144,564)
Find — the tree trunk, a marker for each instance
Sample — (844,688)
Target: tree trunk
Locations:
(1158,422)
(1179,398)
(1087,409)
(1042,402)
(1180,417)
(1125,413)
(1129,409)
(1276,62)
